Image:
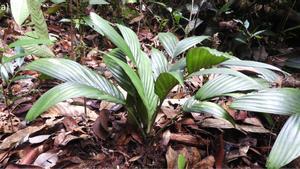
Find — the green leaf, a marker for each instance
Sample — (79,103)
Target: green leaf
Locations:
(66,91)
(29,41)
(19,10)
(181,162)
(37,17)
(247,63)
(165,82)
(70,71)
(203,57)
(98,2)
(225,84)
(287,145)
(90,23)
(118,73)
(187,43)
(193,105)
(159,62)
(110,33)
(282,101)
(38,50)
(169,42)
(135,80)
(178,65)
(144,68)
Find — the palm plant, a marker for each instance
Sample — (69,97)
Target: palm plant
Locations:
(148,84)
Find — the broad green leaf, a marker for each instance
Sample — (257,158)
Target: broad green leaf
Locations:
(110,33)
(181,162)
(287,145)
(169,42)
(90,23)
(203,57)
(118,73)
(144,68)
(37,17)
(225,84)
(224,71)
(66,91)
(193,105)
(19,10)
(178,65)
(165,83)
(70,71)
(247,63)
(38,50)
(98,2)
(135,80)
(30,41)
(58,1)
(187,43)
(159,62)
(282,101)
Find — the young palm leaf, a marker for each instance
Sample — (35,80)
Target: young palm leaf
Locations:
(287,145)
(193,105)
(66,91)
(174,47)
(224,84)
(70,71)
(282,101)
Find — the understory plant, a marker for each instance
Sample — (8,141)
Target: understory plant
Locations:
(147,83)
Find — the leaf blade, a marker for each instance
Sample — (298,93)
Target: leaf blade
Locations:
(63,92)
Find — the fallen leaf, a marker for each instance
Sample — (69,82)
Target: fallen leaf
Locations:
(207,163)
(38,139)
(171,157)
(11,140)
(46,160)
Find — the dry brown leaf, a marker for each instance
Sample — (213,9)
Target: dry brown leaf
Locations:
(65,109)
(11,140)
(30,154)
(207,163)
(100,127)
(171,157)
(9,123)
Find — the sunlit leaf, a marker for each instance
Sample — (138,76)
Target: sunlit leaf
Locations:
(287,145)
(19,10)
(159,62)
(70,71)
(169,42)
(66,91)
(187,43)
(282,101)
(225,84)
(193,105)
(110,33)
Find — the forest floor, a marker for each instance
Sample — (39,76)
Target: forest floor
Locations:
(82,133)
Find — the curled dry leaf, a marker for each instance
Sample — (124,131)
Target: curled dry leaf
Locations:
(100,127)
